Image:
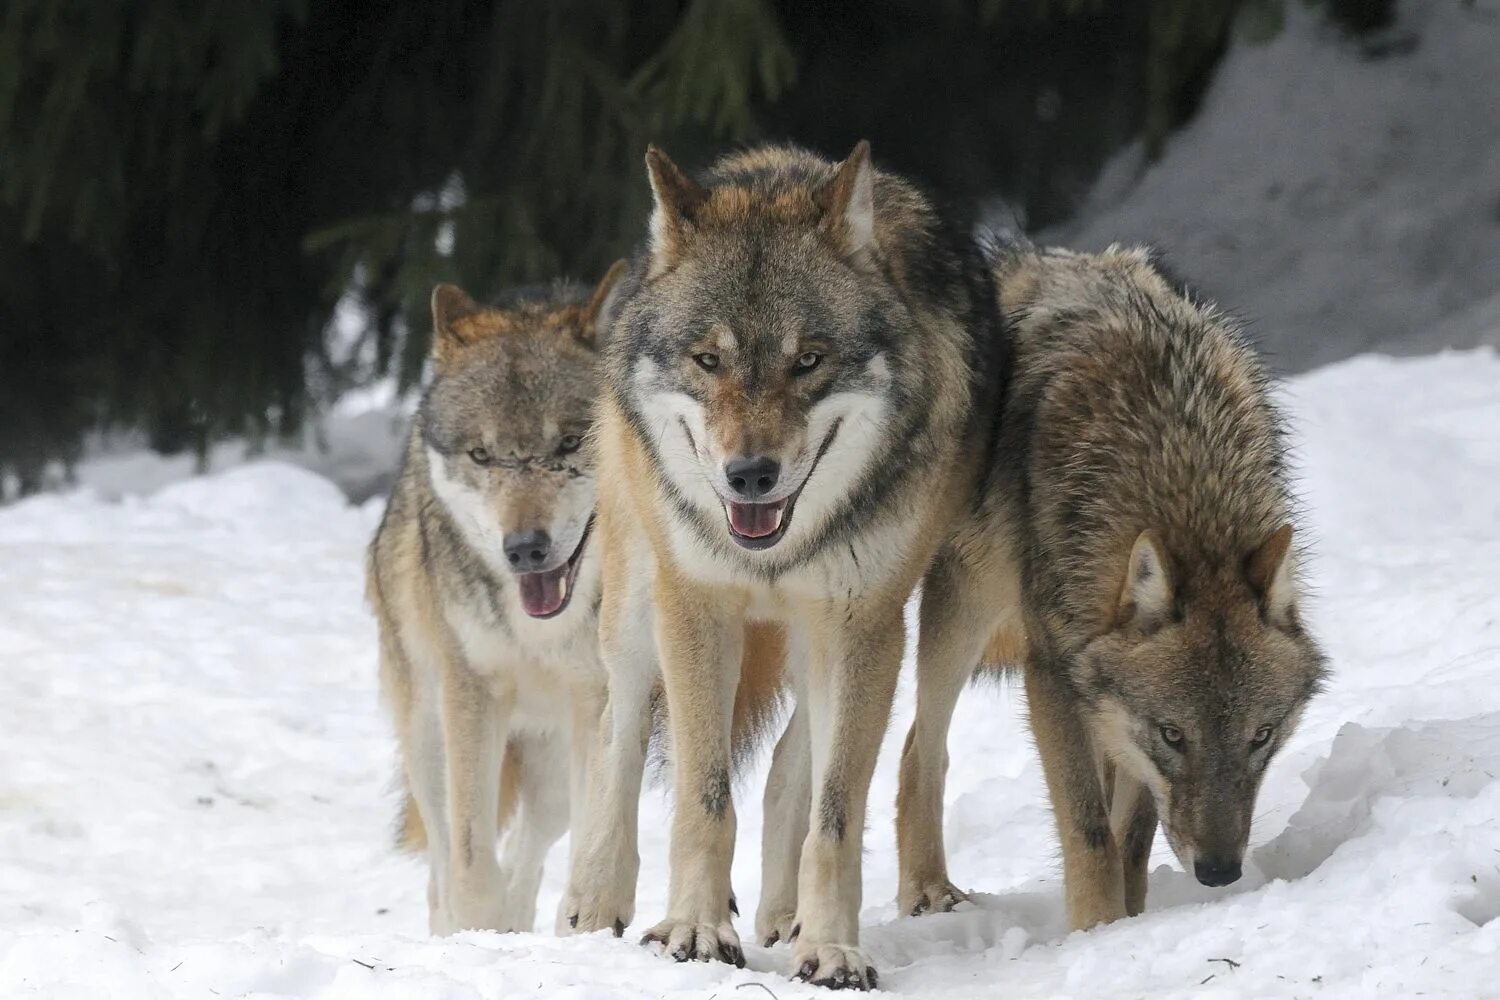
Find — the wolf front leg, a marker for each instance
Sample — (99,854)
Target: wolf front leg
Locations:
(1132,819)
(589,708)
(605,858)
(856,655)
(427,776)
(1093,879)
(700,633)
(959,613)
(474,735)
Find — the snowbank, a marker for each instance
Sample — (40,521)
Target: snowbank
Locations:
(358,447)
(1342,200)
(194,794)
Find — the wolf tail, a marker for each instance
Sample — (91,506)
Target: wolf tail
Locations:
(758,701)
(761,692)
(1004,654)
(411,833)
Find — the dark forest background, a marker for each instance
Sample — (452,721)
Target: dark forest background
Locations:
(188,188)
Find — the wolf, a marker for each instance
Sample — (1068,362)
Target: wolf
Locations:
(1134,550)
(788,425)
(486,590)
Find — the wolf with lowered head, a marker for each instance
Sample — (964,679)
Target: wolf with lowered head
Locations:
(1135,551)
(788,427)
(486,590)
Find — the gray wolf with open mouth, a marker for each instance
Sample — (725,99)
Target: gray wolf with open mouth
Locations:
(788,427)
(1134,550)
(484,578)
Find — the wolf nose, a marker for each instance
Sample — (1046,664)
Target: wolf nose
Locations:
(1217,871)
(527,550)
(752,478)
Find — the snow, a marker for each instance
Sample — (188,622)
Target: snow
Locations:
(195,772)
(195,797)
(1345,195)
(357,444)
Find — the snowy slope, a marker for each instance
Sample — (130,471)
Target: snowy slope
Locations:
(1345,200)
(194,770)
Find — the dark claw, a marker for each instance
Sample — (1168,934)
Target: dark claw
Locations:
(685,950)
(806,972)
(775,936)
(733,906)
(796,932)
(619,928)
(848,979)
(652,938)
(573,920)
(733,954)
(922,906)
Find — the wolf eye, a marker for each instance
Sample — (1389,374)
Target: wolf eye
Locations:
(569,444)
(1262,735)
(1172,736)
(708,362)
(806,363)
(480,456)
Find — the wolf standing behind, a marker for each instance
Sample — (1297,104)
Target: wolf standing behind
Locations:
(1139,519)
(487,597)
(788,428)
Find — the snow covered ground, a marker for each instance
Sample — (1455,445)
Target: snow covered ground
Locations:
(194,770)
(1346,195)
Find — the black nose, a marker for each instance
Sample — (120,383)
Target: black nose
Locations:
(1217,871)
(527,550)
(752,478)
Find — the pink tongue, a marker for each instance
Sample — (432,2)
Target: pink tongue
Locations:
(542,593)
(755,520)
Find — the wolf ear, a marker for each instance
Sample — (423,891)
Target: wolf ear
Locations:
(1146,597)
(848,201)
(677,197)
(1272,572)
(600,309)
(449,305)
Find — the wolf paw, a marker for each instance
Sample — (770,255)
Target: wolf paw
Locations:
(936,897)
(773,927)
(480,905)
(518,918)
(688,942)
(834,967)
(586,912)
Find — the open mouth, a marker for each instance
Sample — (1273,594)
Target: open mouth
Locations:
(547,593)
(761,525)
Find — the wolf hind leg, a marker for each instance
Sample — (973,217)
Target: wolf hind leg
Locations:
(541,774)
(788,800)
(961,608)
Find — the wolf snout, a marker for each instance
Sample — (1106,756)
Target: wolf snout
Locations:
(527,550)
(1216,872)
(752,477)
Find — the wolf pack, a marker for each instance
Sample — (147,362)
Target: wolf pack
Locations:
(680,514)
